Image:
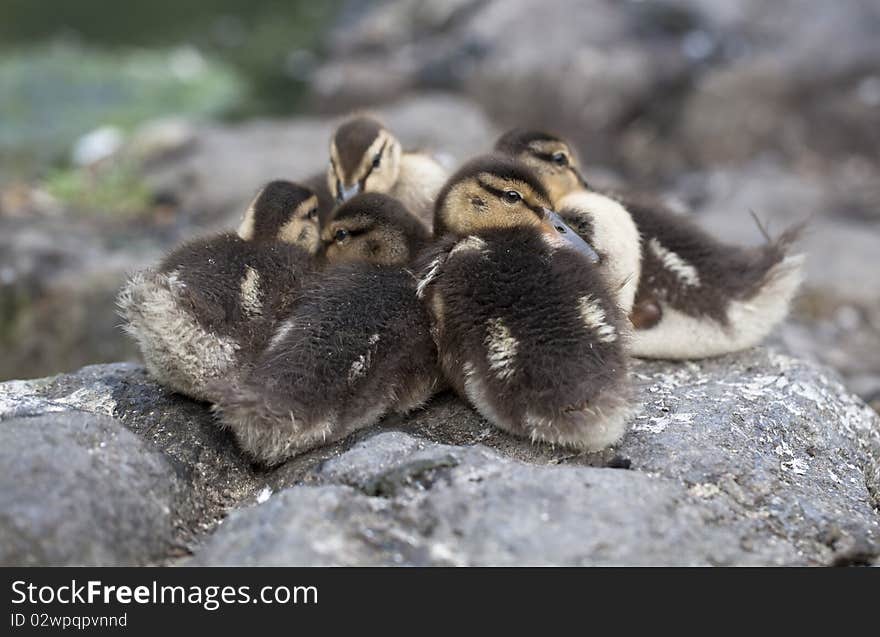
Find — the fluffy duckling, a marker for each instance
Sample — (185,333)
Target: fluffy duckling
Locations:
(695,296)
(208,308)
(527,328)
(356,347)
(374,228)
(599,219)
(366,157)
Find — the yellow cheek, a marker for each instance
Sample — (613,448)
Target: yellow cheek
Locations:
(560,184)
(300,232)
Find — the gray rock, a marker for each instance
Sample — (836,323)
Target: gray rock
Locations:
(749,459)
(570,65)
(776,87)
(209,472)
(79,489)
(58,282)
(754,458)
(653,87)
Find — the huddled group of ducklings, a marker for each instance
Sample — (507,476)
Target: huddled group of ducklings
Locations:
(513,282)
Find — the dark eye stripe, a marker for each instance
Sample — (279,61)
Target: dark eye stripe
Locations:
(370,169)
(538,210)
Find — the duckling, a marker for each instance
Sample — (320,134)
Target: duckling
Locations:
(375,228)
(599,219)
(550,157)
(355,348)
(695,296)
(527,328)
(366,157)
(208,307)
(317,183)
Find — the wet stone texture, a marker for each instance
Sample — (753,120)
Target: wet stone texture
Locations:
(756,458)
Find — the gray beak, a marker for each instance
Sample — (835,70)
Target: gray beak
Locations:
(554,223)
(345,194)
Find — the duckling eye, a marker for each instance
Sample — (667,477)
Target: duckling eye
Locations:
(340,236)
(512,197)
(313,213)
(560,159)
(377,159)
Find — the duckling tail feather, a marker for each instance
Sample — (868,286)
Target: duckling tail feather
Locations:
(268,427)
(177,351)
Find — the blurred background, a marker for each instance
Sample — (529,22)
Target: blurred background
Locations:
(128,127)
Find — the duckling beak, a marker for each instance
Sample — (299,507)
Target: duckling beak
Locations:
(554,224)
(344,194)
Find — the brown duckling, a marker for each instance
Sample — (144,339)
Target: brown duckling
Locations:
(355,348)
(528,329)
(208,307)
(366,157)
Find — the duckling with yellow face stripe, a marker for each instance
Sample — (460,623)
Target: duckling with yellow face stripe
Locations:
(692,296)
(208,308)
(527,327)
(366,157)
(356,347)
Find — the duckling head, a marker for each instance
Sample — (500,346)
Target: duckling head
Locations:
(549,156)
(364,157)
(500,192)
(375,228)
(283,211)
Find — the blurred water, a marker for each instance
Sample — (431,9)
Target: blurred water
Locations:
(67,68)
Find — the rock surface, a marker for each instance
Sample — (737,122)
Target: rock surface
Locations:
(652,87)
(756,458)
(79,489)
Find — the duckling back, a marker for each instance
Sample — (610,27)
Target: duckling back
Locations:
(358,346)
(713,298)
(209,307)
(529,332)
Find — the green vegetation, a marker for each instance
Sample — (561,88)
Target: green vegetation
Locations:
(114,188)
(263,41)
(51,95)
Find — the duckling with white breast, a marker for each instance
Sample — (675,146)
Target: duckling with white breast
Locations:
(357,346)
(209,306)
(366,157)
(528,329)
(695,296)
